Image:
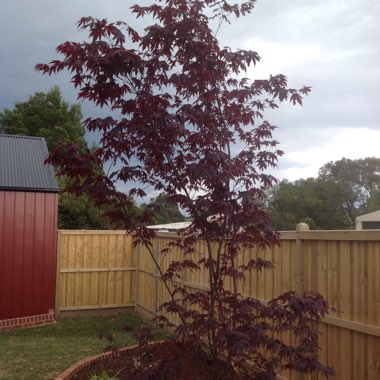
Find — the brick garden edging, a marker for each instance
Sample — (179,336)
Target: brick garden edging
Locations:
(31,321)
(86,362)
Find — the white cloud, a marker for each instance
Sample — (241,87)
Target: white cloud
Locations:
(331,45)
(331,144)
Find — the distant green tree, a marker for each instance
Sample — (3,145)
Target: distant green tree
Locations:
(359,181)
(283,204)
(45,115)
(48,115)
(81,213)
(373,203)
(312,201)
(164,211)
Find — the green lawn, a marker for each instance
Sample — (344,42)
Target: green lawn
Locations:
(44,352)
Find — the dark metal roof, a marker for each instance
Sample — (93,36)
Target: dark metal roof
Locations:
(22,164)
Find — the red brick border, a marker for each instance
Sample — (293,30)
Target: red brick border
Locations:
(29,321)
(74,369)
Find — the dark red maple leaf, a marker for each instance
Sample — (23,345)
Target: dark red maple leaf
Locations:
(185,122)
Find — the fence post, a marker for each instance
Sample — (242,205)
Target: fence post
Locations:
(136,249)
(58,273)
(301,227)
(156,276)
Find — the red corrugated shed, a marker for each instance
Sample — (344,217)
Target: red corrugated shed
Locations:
(27,253)
(28,228)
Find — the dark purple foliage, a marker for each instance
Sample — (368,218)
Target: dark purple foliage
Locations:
(186,122)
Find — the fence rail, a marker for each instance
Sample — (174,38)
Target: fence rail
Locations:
(100,269)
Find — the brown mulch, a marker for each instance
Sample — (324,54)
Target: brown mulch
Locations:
(168,360)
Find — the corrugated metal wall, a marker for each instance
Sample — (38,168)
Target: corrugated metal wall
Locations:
(28,227)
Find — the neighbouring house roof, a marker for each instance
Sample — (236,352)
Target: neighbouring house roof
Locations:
(372,216)
(22,165)
(170,226)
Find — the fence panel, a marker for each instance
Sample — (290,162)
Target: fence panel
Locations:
(96,270)
(344,266)
(99,269)
(345,270)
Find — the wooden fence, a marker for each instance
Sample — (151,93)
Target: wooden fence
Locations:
(344,266)
(96,270)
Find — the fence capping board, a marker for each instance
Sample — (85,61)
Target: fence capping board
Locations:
(348,235)
(284,235)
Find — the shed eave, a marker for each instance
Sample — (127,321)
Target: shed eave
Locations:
(29,189)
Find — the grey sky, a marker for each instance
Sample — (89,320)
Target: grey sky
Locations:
(331,45)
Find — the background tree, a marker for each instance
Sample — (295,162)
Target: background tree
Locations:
(343,190)
(359,180)
(313,201)
(164,211)
(48,115)
(373,203)
(187,124)
(79,212)
(45,115)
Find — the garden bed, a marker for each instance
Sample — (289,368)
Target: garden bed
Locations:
(168,360)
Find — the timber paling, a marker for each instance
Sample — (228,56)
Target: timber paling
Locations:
(101,270)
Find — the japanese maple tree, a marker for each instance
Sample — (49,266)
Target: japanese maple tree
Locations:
(186,122)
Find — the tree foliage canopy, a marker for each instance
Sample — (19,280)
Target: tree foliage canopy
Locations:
(359,181)
(313,201)
(343,190)
(45,115)
(189,125)
(373,203)
(48,115)
(164,211)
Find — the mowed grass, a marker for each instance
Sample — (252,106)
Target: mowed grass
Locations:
(44,352)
